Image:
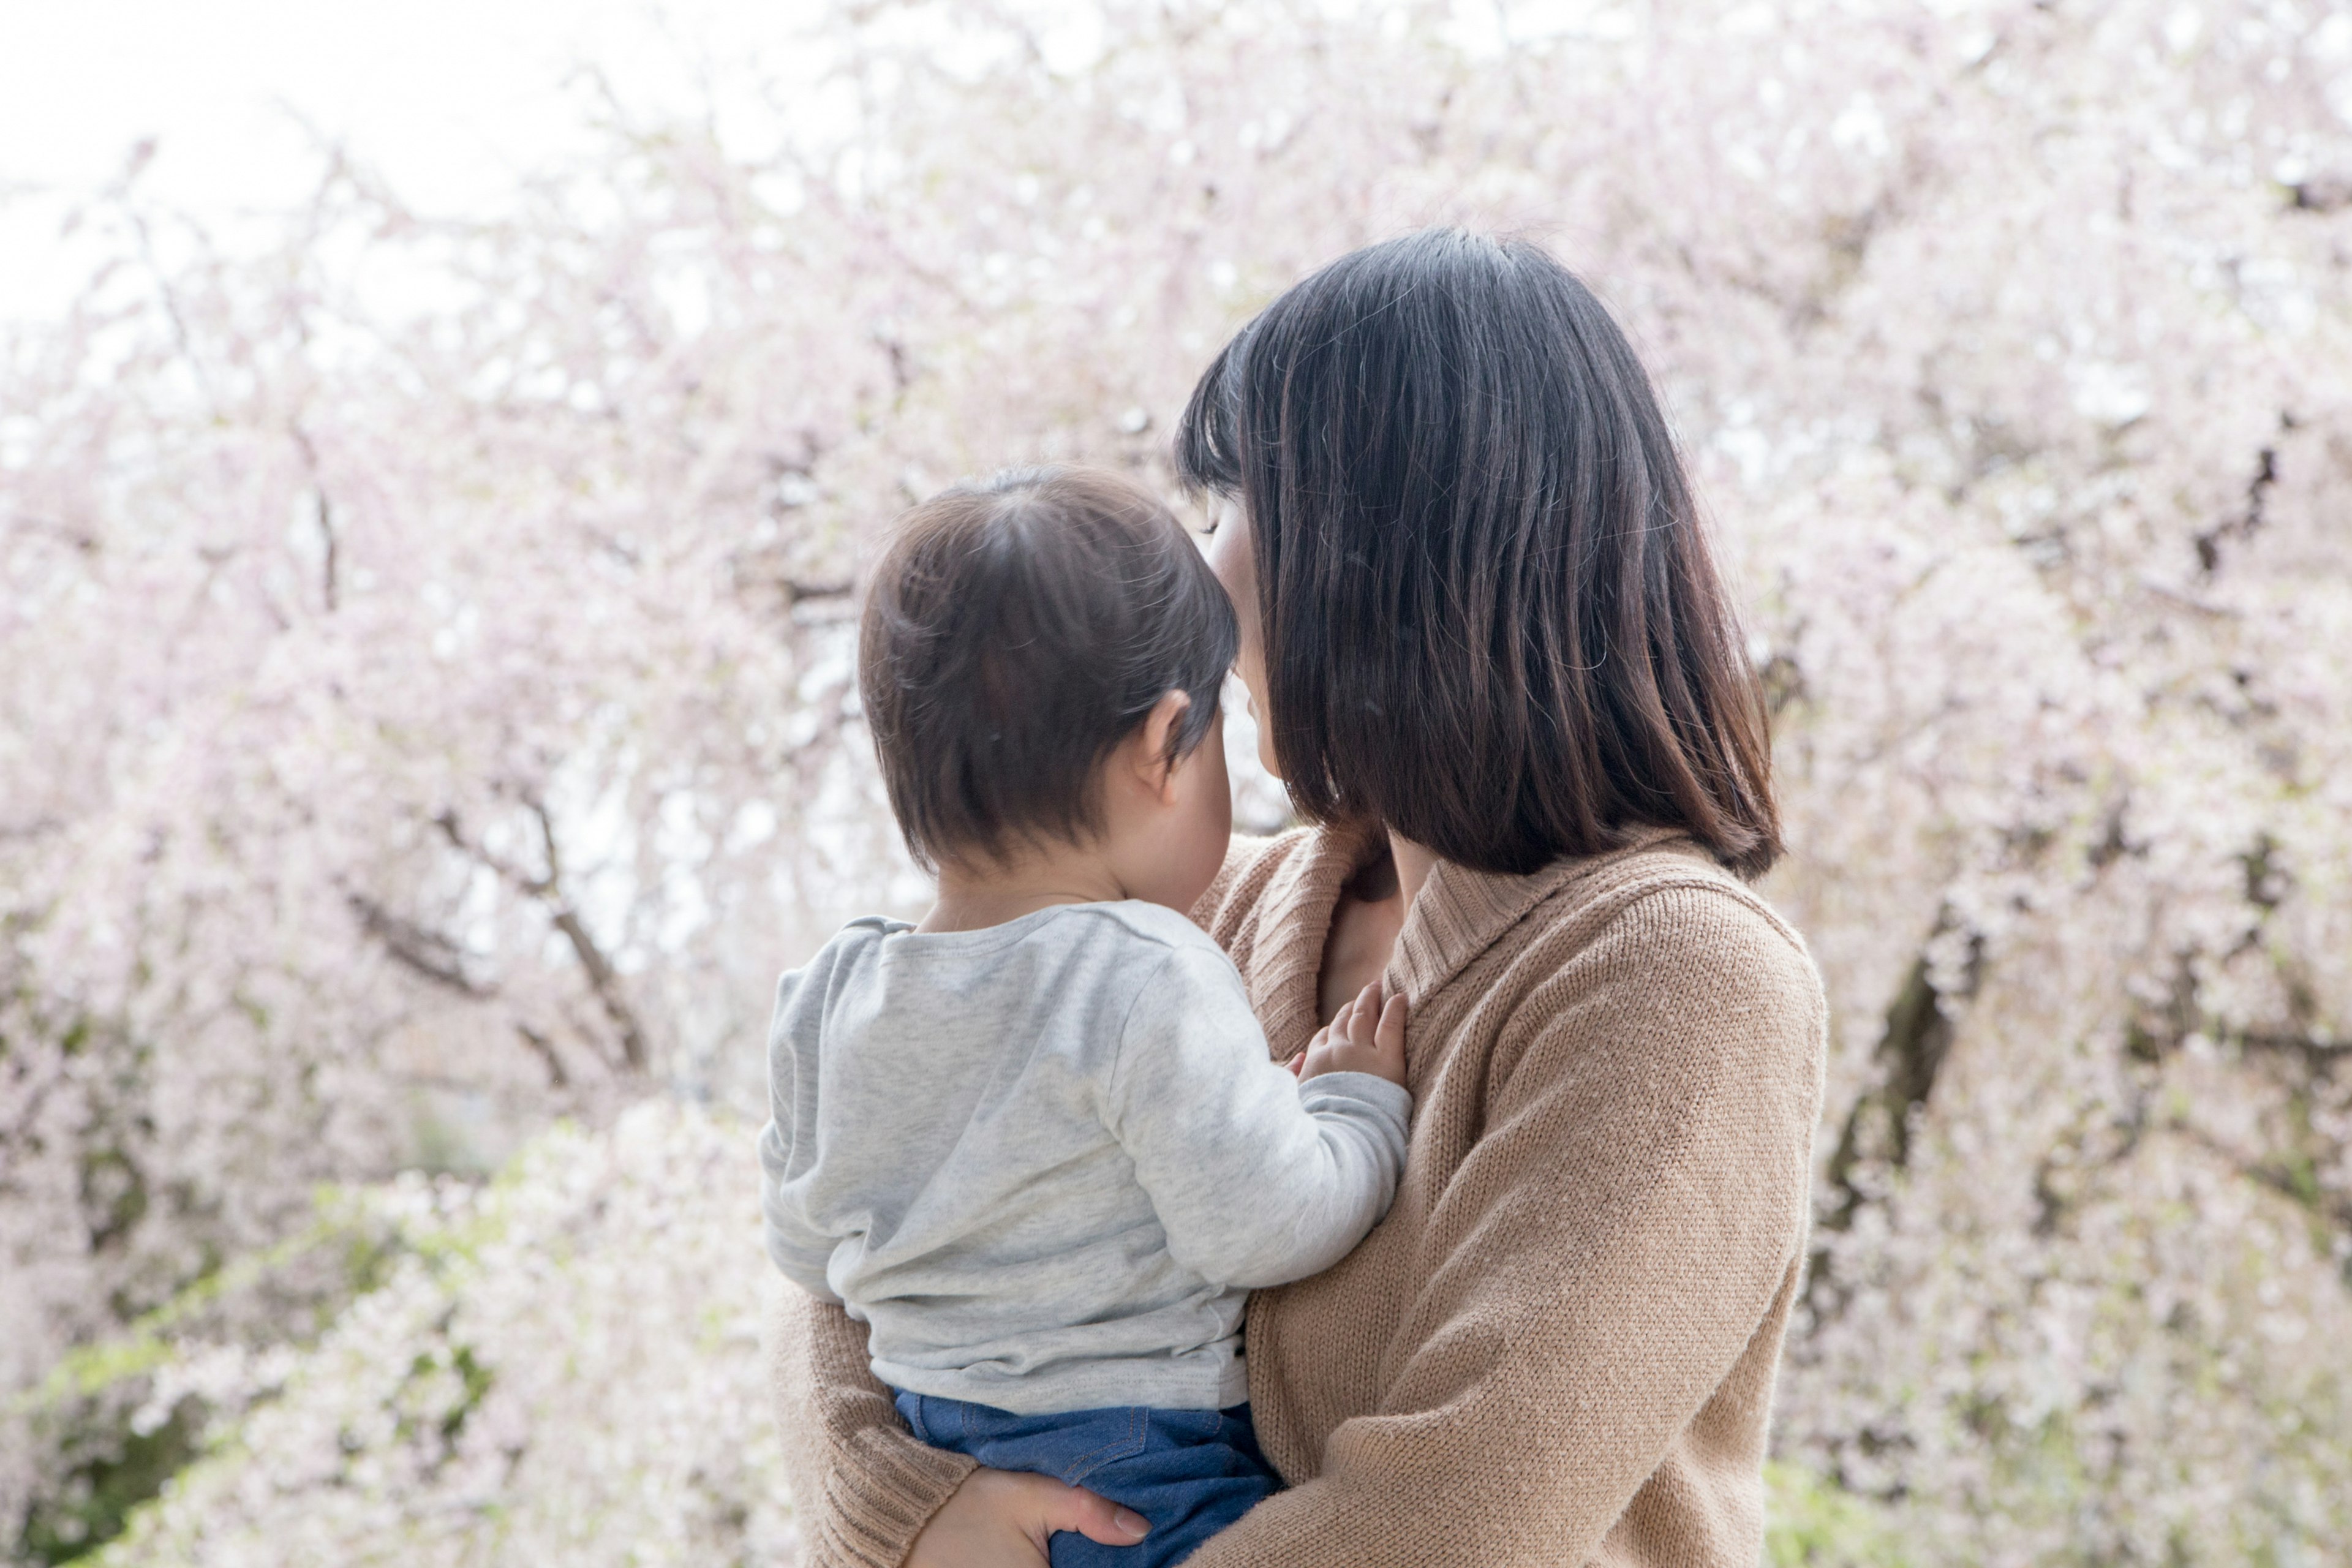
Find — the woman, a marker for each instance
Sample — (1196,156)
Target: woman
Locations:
(1494,662)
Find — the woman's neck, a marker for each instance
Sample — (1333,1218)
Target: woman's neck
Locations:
(1367,919)
(1414,865)
(1393,876)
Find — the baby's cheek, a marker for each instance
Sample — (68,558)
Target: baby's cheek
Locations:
(1208,832)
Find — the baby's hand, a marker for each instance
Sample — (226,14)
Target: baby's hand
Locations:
(1364,1036)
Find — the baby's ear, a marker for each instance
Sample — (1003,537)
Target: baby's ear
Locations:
(1156,741)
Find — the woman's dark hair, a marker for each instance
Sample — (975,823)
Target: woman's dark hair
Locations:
(1015,632)
(1491,619)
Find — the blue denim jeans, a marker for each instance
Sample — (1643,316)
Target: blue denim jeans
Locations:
(1190,1472)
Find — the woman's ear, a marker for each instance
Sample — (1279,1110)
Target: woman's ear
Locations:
(1155,741)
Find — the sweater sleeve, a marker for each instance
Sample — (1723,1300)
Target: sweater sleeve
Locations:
(863,1486)
(1256,1178)
(1610,1244)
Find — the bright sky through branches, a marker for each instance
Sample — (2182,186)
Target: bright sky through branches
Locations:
(433,714)
(451,100)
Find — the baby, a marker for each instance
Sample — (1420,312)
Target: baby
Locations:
(1036,1143)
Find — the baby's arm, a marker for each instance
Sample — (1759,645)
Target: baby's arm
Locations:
(1258,1179)
(799,1249)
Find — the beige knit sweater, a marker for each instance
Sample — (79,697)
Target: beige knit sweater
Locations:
(1559,1347)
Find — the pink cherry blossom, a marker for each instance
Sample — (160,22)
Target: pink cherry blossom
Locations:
(427,715)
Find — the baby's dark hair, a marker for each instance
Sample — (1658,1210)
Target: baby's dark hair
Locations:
(1015,632)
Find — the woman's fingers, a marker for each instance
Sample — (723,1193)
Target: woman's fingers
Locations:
(1004,1519)
(994,1519)
(1097,1518)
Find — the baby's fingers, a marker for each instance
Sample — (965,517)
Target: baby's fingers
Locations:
(1390,1039)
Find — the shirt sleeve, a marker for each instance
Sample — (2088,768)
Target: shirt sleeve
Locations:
(1257,1180)
(798,1249)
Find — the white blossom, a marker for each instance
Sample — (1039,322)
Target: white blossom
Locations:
(426,713)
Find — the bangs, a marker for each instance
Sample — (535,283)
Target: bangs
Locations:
(1208,443)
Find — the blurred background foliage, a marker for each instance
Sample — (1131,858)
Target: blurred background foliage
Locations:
(427,727)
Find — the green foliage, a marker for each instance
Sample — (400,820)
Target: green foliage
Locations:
(559,1366)
(87,1406)
(448,1409)
(342,1233)
(1810,1522)
(125,1469)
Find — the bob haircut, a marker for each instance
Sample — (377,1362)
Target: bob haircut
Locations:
(1490,616)
(1015,632)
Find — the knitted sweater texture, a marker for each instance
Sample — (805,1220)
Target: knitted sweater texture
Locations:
(1559,1345)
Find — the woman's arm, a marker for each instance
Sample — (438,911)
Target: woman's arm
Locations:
(1621,1237)
(863,1487)
(868,1494)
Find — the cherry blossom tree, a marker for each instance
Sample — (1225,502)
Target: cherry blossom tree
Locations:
(429,715)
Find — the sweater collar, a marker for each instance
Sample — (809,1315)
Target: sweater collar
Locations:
(1294,923)
(1459,914)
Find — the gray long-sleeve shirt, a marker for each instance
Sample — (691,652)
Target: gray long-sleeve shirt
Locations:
(1045,1160)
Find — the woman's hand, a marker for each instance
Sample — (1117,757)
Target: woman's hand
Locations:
(1001,1519)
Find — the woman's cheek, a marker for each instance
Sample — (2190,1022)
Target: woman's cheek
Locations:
(1229,559)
